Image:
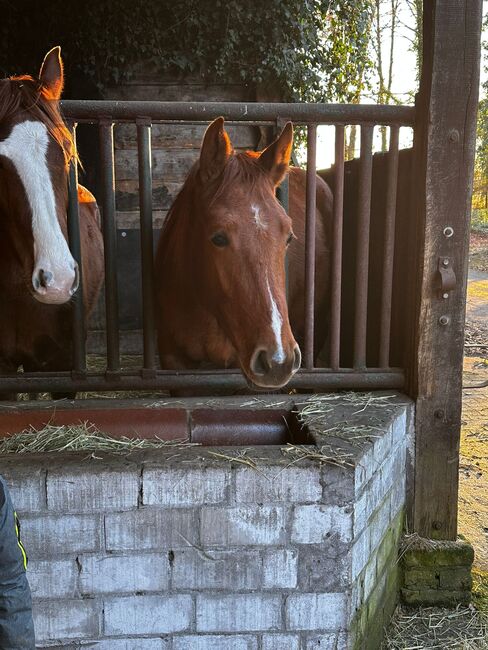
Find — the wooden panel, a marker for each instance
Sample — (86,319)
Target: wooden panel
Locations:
(130,219)
(164,193)
(171,165)
(183,136)
(444,143)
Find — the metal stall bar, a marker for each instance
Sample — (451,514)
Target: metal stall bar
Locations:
(110,243)
(320,379)
(310,219)
(362,251)
(301,113)
(145,202)
(78,312)
(336,261)
(387,281)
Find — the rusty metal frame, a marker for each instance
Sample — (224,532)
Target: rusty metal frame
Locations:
(104,114)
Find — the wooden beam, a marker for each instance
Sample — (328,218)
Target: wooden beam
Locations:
(444,145)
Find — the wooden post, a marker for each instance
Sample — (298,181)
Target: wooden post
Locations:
(444,144)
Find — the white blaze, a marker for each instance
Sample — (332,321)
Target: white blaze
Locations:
(276,325)
(257,217)
(26,147)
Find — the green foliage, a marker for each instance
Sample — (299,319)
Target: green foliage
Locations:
(311,50)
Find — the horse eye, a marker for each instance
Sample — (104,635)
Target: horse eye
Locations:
(289,239)
(220,239)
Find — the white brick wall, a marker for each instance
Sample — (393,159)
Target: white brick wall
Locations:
(123,573)
(238,612)
(215,642)
(147,615)
(278,484)
(136,555)
(185,487)
(264,525)
(151,529)
(316,611)
(315,523)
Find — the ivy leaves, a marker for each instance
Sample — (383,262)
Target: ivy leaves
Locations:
(312,50)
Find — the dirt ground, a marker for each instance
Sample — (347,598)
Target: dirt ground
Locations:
(464,628)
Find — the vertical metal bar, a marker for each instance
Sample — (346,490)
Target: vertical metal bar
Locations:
(78,321)
(310,244)
(362,250)
(110,243)
(336,262)
(387,282)
(145,203)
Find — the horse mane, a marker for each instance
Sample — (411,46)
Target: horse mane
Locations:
(24,93)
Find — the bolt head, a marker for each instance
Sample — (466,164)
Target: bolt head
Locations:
(448,231)
(444,320)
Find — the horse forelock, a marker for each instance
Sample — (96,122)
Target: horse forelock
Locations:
(24,93)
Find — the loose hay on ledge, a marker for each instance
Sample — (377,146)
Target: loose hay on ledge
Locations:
(463,628)
(80,437)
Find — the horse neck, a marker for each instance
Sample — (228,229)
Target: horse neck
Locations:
(178,251)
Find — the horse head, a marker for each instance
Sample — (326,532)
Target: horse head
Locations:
(35,150)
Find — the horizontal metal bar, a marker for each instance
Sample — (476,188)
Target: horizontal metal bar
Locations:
(303,113)
(167,380)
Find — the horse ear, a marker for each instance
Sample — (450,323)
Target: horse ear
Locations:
(215,151)
(52,74)
(276,158)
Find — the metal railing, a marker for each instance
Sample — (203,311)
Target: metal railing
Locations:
(104,114)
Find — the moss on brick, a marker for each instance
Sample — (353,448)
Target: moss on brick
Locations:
(369,622)
(427,553)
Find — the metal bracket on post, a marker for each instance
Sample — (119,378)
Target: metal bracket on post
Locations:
(446,276)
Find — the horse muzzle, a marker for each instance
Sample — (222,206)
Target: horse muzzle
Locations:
(266,371)
(55,287)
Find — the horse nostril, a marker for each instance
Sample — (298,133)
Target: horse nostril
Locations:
(45,278)
(259,363)
(297,358)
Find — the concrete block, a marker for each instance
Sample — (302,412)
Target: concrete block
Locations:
(48,535)
(151,529)
(123,573)
(185,487)
(27,488)
(327,642)
(53,578)
(86,491)
(66,619)
(129,644)
(317,572)
(275,484)
(338,485)
(280,569)
(360,554)
(398,496)
(237,571)
(379,522)
(382,446)
(314,524)
(242,525)
(306,611)
(280,642)
(238,613)
(216,642)
(147,614)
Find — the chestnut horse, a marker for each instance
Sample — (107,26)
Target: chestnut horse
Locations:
(220,264)
(38,275)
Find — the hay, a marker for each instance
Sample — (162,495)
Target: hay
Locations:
(463,628)
(81,437)
(318,454)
